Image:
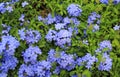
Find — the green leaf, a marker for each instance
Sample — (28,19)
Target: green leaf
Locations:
(86,73)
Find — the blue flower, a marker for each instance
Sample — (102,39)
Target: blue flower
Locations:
(40,18)
(89,60)
(49,19)
(79,61)
(6,29)
(30,54)
(2,7)
(106,63)
(60,38)
(95,28)
(30,36)
(74,76)
(116,27)
(22,17)
(74,10)
(116,1)
(105,44)
(25,70)
(9,8)
(104,1)
(39,69)
(8,62)
(66,61)
(22,34)
(3,74)
(58,18)
(59,26)
(57,70)
(24,4)
(50,35)
(93,17)
(13,1)
(52,56)
(9,44)
(75,21)
(67,20)
(63,37)
(42,69)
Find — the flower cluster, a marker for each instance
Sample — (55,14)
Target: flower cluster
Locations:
(32,67)
(63,60)
(64,29)
(30,36)
(87,60)
(104,46)
(30,55)
(93,17)
(104,1)
(95,28)
(74,10)
(8,62)
(107,1)
(8,44)
(24,4)
(106,63)
(6,29)
(61,33)
(62,37)
(39,69)
(6,6)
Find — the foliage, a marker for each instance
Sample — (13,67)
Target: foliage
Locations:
(96,24)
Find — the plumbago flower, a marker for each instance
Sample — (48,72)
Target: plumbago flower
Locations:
(88,60)
(50,35)
(74,10)
(59,26)
(30,36)
(22,17)
(8,62)
(2,8)
(95,28)
(24,4)
(8,44)
(107,1)
(3,74)
(30,54)
(39,69)
(52,56)
(104,45)
(58,19)
(93,17)
(63,32)
(66,61)
(61,37)
(106,63)
(49,19)
(40,18)
(63,60)
(116,27)
(6,29)
(9,9)
(116,1)
(104,1)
